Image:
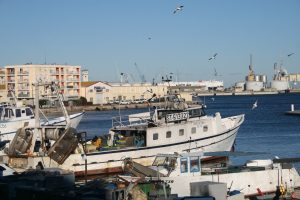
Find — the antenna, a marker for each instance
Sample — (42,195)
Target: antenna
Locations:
(168,79)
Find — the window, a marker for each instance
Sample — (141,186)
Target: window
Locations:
(193,131)
(181,132)
(28,112)
(194,164)
(18,113)
(205,128)
(91,91)
(183,165)
(168,134)
(155,136)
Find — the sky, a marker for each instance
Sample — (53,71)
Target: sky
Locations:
(108,37)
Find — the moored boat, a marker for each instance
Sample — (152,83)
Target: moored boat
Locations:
(183,170)
(174,127)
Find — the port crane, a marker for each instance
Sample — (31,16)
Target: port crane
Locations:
(142,77)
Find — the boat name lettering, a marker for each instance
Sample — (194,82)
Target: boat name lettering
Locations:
(177,116)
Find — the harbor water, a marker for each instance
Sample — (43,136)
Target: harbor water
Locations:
(266,128)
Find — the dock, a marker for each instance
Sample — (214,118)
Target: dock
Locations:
(295,112)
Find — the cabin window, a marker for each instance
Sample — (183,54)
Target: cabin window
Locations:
(194,164)
(183,165)
(8,113)
(155,136)
(193,131)
(205,128)
(181,132)
(168,134)
(18,113)
(28,112)
(159,161)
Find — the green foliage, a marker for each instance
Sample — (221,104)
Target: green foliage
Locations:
(80,102)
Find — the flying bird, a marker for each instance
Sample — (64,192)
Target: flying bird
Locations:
(213,57)
(179,8)
(149,38)
(254,105)
(290,54)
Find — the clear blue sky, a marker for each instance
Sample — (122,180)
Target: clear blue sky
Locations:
(108,37)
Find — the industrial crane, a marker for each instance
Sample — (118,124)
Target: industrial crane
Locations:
(142,77)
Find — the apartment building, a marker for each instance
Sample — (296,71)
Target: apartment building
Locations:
(20,78)
(3,92)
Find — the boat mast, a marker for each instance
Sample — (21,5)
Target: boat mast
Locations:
(60,100)
(36,116)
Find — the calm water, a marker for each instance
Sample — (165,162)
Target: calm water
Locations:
(266,128)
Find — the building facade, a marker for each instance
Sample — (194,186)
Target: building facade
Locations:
(98,92)
(20,78)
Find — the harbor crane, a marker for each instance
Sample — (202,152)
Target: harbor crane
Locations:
(123,77)
(142,77)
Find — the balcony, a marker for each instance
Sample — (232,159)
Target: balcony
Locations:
(23,73)
(23,95)
(23,80)
(23,88)
(54,73)
(11,80)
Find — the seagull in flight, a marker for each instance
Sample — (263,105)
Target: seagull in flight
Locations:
(290,54)
(213,57)
(254,105)
(179,8)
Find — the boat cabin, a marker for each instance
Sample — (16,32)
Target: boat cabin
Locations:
(186,164)
(16,113)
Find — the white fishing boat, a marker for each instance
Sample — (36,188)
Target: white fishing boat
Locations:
(182,171)
(16,116)
(175,127)
(12,118)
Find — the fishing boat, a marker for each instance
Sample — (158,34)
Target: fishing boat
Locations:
(183,171)
(174,126)
(16,116)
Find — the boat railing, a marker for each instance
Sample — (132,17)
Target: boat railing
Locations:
(134,119)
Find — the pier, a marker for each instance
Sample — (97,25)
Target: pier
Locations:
(293,111)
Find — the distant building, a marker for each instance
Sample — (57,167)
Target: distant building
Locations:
(292,77)
(202,84)
(3,93)
(85,75)
(19,78)
(98,92)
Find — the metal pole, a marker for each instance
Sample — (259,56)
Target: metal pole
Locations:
(85,159)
